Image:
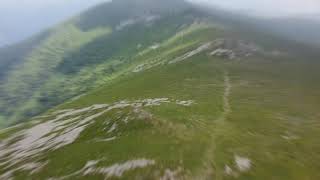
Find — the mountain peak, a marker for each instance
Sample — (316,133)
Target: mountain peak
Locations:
(111,13)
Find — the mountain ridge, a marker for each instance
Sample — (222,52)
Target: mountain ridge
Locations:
(180,95)
(61,47)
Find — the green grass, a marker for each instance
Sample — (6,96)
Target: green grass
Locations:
(266,103)
(25,85)
(273,118)
(269,100)
(71,61)
(170,134)
(273,101)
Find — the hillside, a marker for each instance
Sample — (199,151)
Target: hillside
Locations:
(21,20)
(77,55)
(177,94)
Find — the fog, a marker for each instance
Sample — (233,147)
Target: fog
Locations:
(268,8)
(20,19)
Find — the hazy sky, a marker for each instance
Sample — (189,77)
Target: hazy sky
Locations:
(39,4)
(269,7)
(21,18)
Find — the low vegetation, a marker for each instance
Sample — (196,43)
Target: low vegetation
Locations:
(164,107)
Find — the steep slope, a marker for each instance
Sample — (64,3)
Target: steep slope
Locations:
(20,21)
(82,53)
(172,95)
(13,55)
(204,103)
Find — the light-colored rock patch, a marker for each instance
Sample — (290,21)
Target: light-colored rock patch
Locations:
(155,102)
(243,164)
(132,21)
(106,140)
(64,129)
(126,23)
(171,174)
(220,52)
(228,170)
(290,136)
(126,120)
(113,128)
(116,170)
(149,65)
(200,49)
(155,46)
(32,167)
(185,103)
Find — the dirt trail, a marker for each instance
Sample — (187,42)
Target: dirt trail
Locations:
(214,130)
(226,97)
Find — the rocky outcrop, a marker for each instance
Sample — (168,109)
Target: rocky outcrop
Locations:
(234,49)
(224,53)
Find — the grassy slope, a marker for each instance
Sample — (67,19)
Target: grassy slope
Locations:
(71,61)
(260,108)
(21,88)
(273,120)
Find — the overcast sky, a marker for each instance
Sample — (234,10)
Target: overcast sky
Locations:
(270,8)
(266,7)
(13,5)
(20,18)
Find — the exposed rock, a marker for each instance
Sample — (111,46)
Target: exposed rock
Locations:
(116,170)
(200,49)
(106,140)
(228,170)
(143,19)
(243,163)
(63,129)
(224,53)
(126,23)
(185,103)
(113,128)
(234,48)
(171,174)
(155,46)
(229,49)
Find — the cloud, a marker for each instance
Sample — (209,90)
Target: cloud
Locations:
(31,5)
(258,7)
(34,4)
(22,18)
(2,39)
(268,7)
